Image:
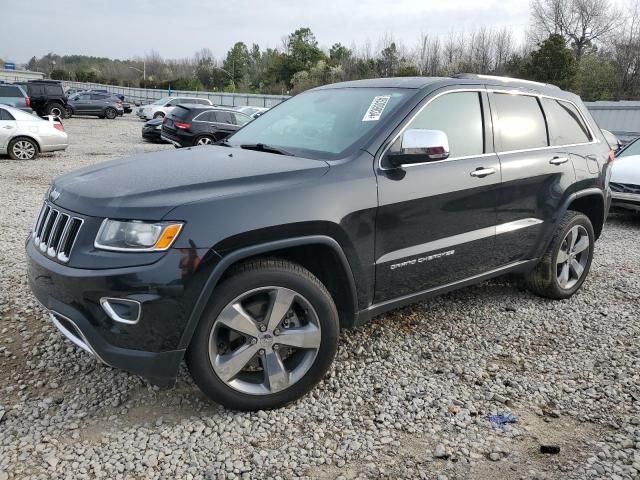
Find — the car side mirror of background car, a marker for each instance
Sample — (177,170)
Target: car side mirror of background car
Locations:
(419,145)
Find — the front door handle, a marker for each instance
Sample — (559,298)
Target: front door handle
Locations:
(8,127)
(558,160)
(482,172)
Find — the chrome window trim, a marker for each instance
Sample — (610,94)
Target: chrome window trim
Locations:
(506,152)
(459,239)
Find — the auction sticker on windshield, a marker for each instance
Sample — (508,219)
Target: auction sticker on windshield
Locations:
(374,112)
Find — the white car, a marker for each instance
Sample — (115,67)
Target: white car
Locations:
(161,108)
(625,178)
(253,112)
(23,136)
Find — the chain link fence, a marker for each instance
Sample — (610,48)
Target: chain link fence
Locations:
(149,95)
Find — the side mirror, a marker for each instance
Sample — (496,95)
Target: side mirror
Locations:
(419,145)
(168,105)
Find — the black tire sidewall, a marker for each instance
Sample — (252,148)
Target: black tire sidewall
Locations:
(198,352)
(582,220)
(59,106)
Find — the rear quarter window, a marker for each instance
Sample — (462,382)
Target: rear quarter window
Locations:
(10,91)
(566,125)
(4,115)
(54,90)
(520,124)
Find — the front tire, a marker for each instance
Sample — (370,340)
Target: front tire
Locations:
(566,263)
(267,337)
(110,113)
(158,115)
(22,148)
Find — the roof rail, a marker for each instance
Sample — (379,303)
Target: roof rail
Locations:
(478,76)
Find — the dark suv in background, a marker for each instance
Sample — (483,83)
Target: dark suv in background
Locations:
(102,105)
(341,203)
(47,97)
(189,125)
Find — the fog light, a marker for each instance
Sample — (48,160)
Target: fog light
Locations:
(121,310)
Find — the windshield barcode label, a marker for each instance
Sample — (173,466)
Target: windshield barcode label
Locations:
(374,112)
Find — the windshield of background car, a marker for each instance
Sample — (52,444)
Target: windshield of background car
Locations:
(322,123)
(632,149)
(162,101)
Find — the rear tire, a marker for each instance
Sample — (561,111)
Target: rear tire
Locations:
(566,263)
(23,148)
(204,140)
(56,109)
(110,113)
(242,354)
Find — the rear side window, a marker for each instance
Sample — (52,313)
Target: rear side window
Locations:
(520,124)
(459,115)
(10,91)
(36,89)
(566,125)
(4,115)
(54,90)
(224,117)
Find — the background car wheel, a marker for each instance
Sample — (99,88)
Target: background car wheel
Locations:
(158,115)
(567,261)
(56,109)
(204,140)
(23,149)
(267,337)
(110,113)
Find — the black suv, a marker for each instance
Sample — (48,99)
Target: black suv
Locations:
(189,125)
(342,203)
(47,97)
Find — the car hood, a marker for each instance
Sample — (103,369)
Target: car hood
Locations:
(149,186)
(626,170)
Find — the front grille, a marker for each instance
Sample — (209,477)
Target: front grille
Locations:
(625,188)
(55,232)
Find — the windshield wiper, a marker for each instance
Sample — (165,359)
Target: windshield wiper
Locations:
(261,147)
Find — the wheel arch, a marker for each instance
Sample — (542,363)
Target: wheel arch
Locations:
(328,262)
(29,137)
(590,202)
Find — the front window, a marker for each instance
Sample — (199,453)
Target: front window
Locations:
(632,149)
(322,123)
(162,101)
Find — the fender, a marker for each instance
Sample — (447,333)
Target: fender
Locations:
(251,251)
(551,228)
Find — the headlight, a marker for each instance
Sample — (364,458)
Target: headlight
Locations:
(136,236)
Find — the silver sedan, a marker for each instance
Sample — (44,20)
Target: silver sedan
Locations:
(23,136)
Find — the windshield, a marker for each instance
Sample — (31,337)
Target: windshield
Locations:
(321,123)
(631,149)
(162,101)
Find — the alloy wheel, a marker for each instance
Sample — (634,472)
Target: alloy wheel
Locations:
(573,257)
(204,141)
(24,150)
(265,340)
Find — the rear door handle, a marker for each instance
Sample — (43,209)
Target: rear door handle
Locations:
(558,160)
(482,172)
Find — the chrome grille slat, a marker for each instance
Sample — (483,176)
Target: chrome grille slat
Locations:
(55,232)
(624,188)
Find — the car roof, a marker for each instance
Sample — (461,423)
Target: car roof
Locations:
(421,83)
(19,114)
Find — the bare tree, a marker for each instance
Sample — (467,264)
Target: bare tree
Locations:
(582,22)
(625,52)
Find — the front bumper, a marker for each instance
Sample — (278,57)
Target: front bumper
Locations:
(625,201)
(166,291)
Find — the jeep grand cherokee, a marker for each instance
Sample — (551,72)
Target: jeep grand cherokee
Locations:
(339,204)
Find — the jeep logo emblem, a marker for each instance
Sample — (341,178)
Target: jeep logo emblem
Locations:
(54,195)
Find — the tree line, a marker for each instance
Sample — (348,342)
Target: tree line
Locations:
(591,47)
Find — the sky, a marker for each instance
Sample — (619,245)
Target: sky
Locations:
(176,29)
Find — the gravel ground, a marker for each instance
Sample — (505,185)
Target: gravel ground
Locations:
(409,395)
